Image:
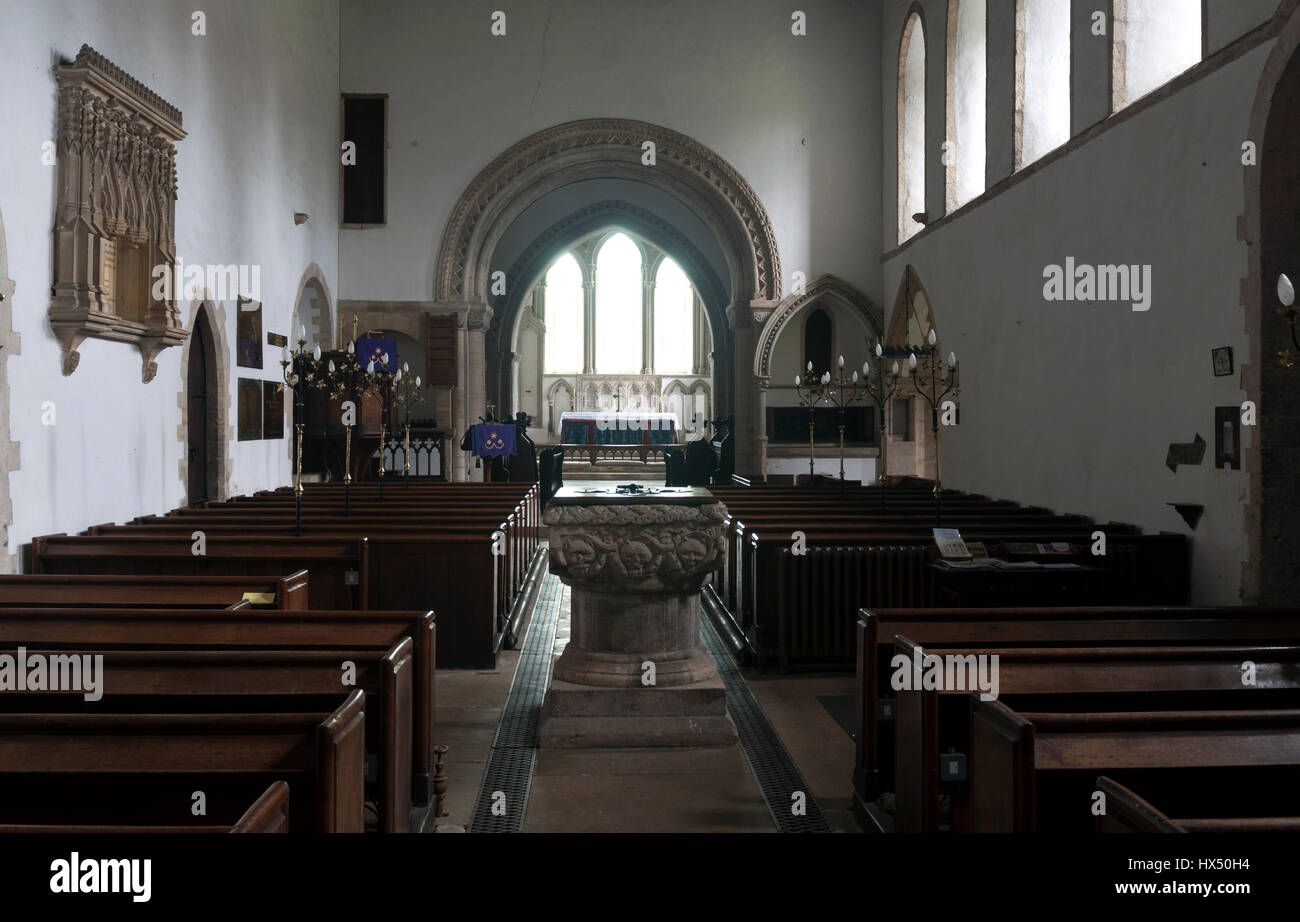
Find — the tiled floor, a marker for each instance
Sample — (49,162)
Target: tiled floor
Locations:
(646,790)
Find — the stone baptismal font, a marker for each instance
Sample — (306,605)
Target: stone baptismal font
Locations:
(635,672)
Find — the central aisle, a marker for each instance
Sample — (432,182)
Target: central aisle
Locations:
(705,789)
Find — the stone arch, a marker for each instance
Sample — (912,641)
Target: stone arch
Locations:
(824,287)
(1272,237)
(320,322)
(10,459)
(560,384)
(221,431)
(607,149)
(909,287)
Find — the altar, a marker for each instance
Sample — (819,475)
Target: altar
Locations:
(621,434)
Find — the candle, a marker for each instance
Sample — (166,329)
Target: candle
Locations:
(284,354)
(879,351)
(932,338)
(841,361)
(911,363)
(417,380)
(370,368)
(952,360)
(315,353)
(797,382)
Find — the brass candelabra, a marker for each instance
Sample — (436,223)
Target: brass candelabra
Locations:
(942,382)
(881,393)
(810,394)
(841,392)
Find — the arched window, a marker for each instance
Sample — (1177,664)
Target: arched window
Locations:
(618,307)
(911,127)
(1154,41)
(563,317)
(1042,78)
(967,90)
(674,320)
(817,344)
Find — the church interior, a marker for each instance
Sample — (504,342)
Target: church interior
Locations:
(652,416)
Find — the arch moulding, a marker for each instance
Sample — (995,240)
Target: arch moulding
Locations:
(824,287)
(608,149)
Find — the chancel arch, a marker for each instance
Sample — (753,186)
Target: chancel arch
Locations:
(686,172)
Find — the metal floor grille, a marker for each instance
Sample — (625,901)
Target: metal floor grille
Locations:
(777,776)
(509,771)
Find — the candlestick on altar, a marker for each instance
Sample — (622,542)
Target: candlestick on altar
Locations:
(347,471)
(406,456)
(383,443)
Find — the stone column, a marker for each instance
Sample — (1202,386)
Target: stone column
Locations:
(762,381)
(648,317)
(699,337)
(635,672)
(477,320)
(589,324)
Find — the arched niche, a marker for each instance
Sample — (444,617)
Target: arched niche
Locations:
(313,308)
(218,431)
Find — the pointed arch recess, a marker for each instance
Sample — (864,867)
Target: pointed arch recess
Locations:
(823,287)
(221,435)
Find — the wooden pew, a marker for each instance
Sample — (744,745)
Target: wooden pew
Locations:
(954,627)
(1127,812)
(286,593)
(363,635)
(268,814)
(386,678)
(158,759)
(931,721)
(1035,771)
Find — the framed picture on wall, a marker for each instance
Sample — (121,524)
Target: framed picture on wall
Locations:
(250,409)
(272,410)
(248,335)
(1222,361)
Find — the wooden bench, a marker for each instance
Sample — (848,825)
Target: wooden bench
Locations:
(282,638)
(130,676)
(1035,771)
(1046,627)
(1125,811)
(287,593)
(160,759)
(930,722)
(268,814)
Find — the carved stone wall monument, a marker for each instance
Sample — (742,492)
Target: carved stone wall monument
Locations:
(114,229)
(635,564)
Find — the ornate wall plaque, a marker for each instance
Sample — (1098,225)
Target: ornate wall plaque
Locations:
(114,228)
